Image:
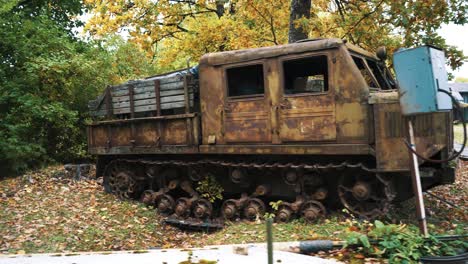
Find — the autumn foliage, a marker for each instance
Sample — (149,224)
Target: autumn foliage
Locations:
(173,31)
(57,55)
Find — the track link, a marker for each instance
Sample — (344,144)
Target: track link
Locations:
(169,186)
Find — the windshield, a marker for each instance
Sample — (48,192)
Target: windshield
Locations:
(375,73)
(382,74)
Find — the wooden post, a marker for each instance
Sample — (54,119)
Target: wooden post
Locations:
(187,110)
(132,114)
(109,113)
(157,96)
(416,179)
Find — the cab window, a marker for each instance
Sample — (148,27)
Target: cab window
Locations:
(365,72)
(306,75)
(245,80)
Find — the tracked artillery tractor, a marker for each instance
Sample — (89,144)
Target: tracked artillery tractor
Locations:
(316,124)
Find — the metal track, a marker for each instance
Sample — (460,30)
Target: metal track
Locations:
(275,165)
(255,165)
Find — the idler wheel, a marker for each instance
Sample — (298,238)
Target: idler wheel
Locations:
(182,208)
(312,210)
(202,208)
(123,183)
(366,195)
(284,214)
(165,204)
(147,197)
(254,208)
(229,209)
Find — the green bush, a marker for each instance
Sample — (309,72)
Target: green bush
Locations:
(402,244)
(47,77)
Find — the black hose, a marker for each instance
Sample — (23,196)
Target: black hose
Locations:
(456,154)
(458,259)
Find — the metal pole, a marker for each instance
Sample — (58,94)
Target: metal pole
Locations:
(269,223)
(416,179)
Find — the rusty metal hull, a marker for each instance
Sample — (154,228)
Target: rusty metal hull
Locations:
(312,136)
(347,119)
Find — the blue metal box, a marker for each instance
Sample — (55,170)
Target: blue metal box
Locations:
(420,73)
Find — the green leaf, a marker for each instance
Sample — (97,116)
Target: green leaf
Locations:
(365,241)
(379,224)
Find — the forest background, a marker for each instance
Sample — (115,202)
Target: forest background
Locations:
(56,55)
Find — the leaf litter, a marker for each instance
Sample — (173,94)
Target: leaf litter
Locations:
(45,211)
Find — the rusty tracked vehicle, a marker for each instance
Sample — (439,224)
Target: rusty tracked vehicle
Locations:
(315,124)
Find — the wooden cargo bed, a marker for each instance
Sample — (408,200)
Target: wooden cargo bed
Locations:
(147,116)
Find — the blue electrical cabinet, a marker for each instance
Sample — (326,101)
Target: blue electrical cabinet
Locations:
(420,73)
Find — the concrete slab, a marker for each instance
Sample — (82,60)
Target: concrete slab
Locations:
(221,255)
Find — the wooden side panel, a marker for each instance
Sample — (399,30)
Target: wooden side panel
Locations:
(175,133)
(98,136)
(145,135)
(144,97)
(121,135)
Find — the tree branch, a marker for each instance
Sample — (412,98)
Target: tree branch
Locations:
(363,17)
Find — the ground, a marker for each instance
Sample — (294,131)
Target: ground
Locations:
(45,211)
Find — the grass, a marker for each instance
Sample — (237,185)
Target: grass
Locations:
(44,211)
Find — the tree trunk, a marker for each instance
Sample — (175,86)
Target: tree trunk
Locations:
(220,8)
(299,9)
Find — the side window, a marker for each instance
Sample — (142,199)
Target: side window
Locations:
(245,80)
(365,72)
(379,74)
(307,75)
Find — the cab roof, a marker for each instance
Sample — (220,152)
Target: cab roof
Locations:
(243,55)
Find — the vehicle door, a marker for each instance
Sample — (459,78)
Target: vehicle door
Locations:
(307,108)
(246,113)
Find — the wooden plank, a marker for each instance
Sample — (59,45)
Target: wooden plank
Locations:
(167,99)
(151,107)
(144,119)
(149,87)
(147,95)
(142,108)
